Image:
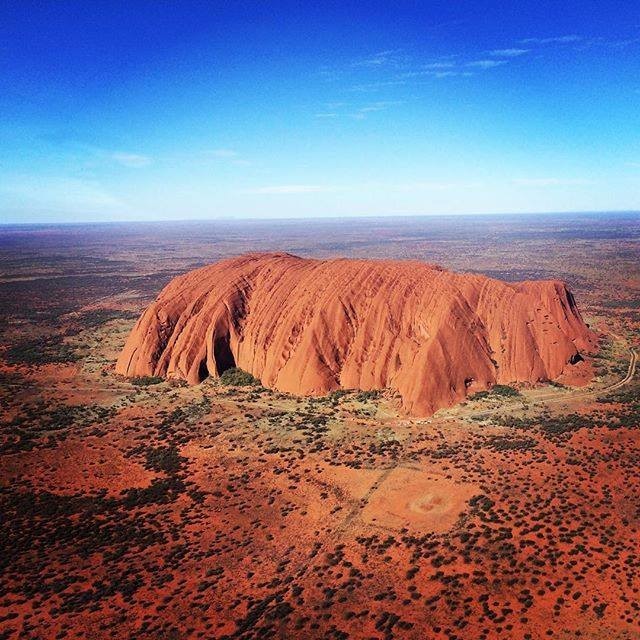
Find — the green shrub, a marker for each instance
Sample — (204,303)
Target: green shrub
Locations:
(504,390)
(146,381)
(373,394)
(235,377)
(497,390)
(163,459)
(335,395)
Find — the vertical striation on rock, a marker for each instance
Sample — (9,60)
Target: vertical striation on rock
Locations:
(311,326)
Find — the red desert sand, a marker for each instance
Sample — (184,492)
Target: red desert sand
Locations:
(312,326)
(418,501)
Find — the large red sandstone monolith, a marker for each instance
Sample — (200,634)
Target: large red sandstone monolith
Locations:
(311,326)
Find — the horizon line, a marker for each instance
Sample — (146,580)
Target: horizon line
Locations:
(317,218)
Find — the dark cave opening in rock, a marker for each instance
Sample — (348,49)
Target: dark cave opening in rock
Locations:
(222,354)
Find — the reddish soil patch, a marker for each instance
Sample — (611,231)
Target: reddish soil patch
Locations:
(75,466)
(419,501)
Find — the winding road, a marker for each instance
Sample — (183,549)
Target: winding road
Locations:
(633,362)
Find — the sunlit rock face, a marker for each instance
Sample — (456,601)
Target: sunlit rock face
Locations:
(311,326)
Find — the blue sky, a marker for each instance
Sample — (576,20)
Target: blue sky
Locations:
(183,110)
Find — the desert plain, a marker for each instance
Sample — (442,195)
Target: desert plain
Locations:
(148,508)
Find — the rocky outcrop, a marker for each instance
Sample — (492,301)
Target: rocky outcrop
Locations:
(310,326)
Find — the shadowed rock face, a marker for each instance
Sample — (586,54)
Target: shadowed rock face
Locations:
(310,326)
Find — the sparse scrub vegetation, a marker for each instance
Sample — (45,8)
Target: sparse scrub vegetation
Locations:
(40,351)
(164,459)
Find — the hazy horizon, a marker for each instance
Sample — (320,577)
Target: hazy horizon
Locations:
(326,219)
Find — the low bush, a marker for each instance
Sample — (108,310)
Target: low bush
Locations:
(235,377)
(163,459)
(504,390)
(363,396)
(497,390)
(146,381)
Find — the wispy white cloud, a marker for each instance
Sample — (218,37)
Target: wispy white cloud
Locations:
(486,64)
(581,42)
(395,68)
(420,185)
(286,189)
(132,160)
(554,39)
(394,57)
(381,105)
(624,43)
(446,68)
(438,65)
(60,194)
(450,74)
(90,155)
(421,73)
(358,112)
(375,86)
(548,182)
(508,53)
(433,185)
